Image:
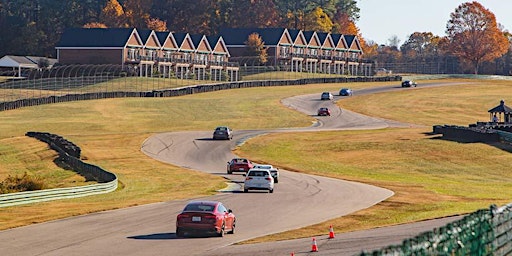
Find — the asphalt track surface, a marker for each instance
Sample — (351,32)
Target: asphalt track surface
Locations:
(298,200)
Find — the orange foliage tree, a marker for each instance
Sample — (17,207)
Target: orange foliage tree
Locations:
(256,47)
(112,15)
(346,26)
(156,24)
(474,35)
(94,25)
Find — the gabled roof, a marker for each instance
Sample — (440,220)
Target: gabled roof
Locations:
(238,36)
(502,108)
(96,37)
(312,39)
(353,42)
(218,45)
(339,41)
(201,43)
(326,40)
(166,40)
(297,37)
(13,61)
(184,42)
(349,39)
(149,38)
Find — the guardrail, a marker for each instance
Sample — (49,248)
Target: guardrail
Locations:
(107,181)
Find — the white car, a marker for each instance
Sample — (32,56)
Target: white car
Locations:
(258,179)
(274,171)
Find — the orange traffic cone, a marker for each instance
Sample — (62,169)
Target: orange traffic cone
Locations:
(331,232)
(314,247)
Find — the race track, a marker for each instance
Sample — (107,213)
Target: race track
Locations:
(299,200)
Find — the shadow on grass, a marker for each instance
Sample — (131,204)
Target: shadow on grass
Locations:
(499,145)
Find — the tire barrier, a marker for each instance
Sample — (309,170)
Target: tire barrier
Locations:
(70,154)
(174,92)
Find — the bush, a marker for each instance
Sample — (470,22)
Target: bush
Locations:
(13,184)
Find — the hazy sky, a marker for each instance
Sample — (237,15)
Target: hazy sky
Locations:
(381,19)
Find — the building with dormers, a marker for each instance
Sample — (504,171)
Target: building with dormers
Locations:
(148,53)
(181,55)
(303,51)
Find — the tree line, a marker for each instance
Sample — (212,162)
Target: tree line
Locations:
(474,41)
(32,27)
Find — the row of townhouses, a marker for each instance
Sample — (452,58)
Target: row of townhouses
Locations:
(201,57)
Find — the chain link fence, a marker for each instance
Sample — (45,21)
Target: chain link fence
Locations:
(86,79)
(484,232)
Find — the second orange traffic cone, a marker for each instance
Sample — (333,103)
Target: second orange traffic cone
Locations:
(314,246)
(331,232)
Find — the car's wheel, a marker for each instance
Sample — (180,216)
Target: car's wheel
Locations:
(233,227)
(179,232)
(221,231)
(230,172)
(246,190)
(271,190)
(276,180)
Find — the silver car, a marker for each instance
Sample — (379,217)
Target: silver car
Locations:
(326,96)
(259,179)
(223,133)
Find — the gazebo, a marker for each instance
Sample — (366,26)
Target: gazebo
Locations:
(500,113)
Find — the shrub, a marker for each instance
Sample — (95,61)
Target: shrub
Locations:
(13,184)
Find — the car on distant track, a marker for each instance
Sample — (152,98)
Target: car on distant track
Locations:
(205,217)
(326,96)
(259,179)
(409,83)
(273,170)
(239,165)
(324,111)
(346,92)
(223,133)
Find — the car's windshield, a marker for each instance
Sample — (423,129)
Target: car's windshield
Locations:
(257,173)
(200,207)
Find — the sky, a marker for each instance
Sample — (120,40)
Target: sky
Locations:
(380,20)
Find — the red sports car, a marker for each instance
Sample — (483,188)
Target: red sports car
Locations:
(239,165)
(205,217)
(324,112)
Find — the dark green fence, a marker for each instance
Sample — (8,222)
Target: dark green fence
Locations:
(484,232)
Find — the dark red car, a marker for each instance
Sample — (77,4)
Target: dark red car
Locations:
(210,217)
(324,112)
(239,165)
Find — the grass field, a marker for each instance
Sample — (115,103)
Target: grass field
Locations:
(431,177)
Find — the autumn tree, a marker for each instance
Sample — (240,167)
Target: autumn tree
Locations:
(474,35)
(252,13)
(421,45)
(94,25)
(317,20)
(156,24)
(112,14)
(136,12)
(256,47)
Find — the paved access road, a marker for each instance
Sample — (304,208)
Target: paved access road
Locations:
(298,200)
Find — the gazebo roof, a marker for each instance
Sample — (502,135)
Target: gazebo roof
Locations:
(502,108)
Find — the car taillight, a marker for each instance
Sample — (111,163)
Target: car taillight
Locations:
(210,218)
(182,216)
(248,178)
(267,178)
